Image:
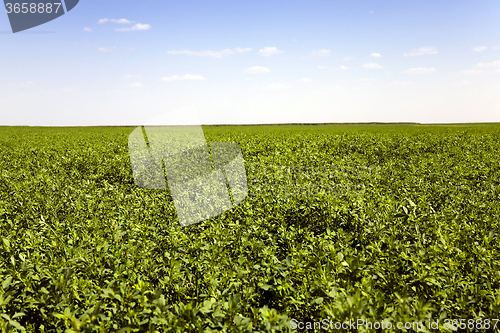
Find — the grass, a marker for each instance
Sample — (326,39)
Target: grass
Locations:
(412,236)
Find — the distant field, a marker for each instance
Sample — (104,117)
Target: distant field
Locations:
(342,222)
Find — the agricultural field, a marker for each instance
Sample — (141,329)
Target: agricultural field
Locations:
(393,223)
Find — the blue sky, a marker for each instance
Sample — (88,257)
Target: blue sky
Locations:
(124,62)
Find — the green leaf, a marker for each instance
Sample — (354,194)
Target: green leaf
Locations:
(318,300)
(125,329)
(6,283)
(16,325)
(6,243)
(18,314)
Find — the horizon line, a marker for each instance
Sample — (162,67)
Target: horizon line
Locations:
(267,124)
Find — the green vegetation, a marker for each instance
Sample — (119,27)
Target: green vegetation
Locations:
(82,249)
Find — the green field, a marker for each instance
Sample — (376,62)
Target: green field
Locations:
(342,222)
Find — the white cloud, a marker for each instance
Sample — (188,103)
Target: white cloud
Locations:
(422,51)
(479,48)
(211,54)
(242,50)
(256,70)
(305,79)
(479,68)
(343,67)
(488,64)
(121,21)
(268,51)
(136,85)
(188,77)
(420,70)
(87,29)
(276,86)
(322,67)
(23,84)
(375,55)
(372,65)
(402,83)
(137,27)
(472,71)
(107,49)
(321,53)
(117,21)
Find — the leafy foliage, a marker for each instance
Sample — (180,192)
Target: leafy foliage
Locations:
(82,249)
